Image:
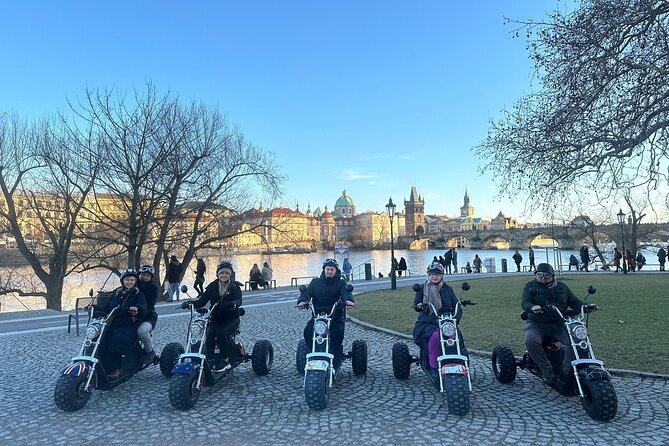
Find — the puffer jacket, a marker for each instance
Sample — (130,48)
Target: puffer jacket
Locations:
(560,296)
(228,304)
(326,291)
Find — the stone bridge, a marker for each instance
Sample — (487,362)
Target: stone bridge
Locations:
(567,237)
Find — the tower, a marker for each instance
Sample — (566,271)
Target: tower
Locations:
(415,214)
(467,210)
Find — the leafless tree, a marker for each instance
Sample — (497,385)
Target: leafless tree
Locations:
(602,110)
(47,170)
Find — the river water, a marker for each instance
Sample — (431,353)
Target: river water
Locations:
(287,266)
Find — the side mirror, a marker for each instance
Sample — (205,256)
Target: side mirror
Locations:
(416,287)
(303,288)
(533,291)
(349,287)
(465,286)
(184,289)
(592,290)
(90,292)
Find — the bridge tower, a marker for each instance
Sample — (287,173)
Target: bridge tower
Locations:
(467,210)
(415,214)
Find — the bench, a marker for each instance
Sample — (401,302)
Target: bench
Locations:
(247,284)
(405,272)
(293,280)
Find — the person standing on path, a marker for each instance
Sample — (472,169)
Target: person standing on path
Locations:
(518,258)
(199,276)
(174,272)
(448,258)
(454,259)
(530,254)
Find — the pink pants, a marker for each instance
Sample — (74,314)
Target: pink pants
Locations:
(434,349)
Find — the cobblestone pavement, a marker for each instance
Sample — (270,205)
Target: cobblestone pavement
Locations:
(245,409)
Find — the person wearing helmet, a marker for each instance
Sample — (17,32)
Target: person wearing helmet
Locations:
(426,329)
(226,294)
(150,291)
(538,293)
(121,335)
(325,291)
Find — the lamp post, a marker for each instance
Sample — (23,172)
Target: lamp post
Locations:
(390,208)
(621,221)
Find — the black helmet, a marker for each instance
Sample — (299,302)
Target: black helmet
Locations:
(544,268)
(147,269)
(435,268)
(224,264)
(331,262)
(129,272)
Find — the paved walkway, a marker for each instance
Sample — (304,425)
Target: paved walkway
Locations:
(245,409)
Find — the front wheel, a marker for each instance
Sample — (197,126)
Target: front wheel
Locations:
(359,357)
(600,400)
(169,358)
(456,389)
(70,392)
(401,360)
(183,390)
(262,357)
(301,356)
(316,389)
(504,364)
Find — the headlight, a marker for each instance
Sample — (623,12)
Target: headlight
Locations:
(320,328)
(196,331)
(92,331)
(579,332)
(448,330)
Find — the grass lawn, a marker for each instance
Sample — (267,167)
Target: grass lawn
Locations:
(630,332)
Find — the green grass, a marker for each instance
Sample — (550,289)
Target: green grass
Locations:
(630,332)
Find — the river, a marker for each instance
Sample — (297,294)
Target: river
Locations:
(286,266)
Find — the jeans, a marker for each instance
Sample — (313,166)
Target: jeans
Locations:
(174,288)
(144,335)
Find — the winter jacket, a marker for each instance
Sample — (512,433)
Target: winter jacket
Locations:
(228,305)
(325,292)
(174,271)
(560,296)
(517,258)
(150,291)
(121,335)
(427,321)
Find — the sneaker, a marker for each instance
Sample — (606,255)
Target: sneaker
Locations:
(222,366)
(148,358)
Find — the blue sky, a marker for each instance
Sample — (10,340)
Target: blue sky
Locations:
(368,96)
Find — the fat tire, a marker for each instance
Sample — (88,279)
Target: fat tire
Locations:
(183,394)
(301,356)
(262,357)
(600,400)
(316,389)
(69,393)
(504,364)
(169,358)
(359,357)
(456,390)
(401,361)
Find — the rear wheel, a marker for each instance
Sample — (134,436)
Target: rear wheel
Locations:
(401,360)
(316,389)
(262,357)
(183,390)
(301,356)
(70,392)
(456,389)
(504,364)
(169,358)
(359,357)
(600,400)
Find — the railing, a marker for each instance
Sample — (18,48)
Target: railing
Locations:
(293,280)
(358,272)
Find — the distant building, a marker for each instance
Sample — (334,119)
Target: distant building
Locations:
(415,214)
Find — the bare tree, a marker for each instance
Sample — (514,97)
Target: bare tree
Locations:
(47,170)
(602,110)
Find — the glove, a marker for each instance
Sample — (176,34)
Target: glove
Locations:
(185,305)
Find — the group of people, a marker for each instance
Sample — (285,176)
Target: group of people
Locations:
(633,263)
(260,278)
(450,258)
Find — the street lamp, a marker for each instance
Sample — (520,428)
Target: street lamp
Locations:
(390,208)
(621,221)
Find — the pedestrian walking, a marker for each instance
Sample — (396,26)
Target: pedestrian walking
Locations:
(174,274)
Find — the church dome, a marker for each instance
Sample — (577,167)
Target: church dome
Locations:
(344,200)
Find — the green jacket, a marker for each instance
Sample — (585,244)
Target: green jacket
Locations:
(559,296)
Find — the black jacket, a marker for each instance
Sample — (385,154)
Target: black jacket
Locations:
(228,305)
(132,297)
(174,271)
(325,292)
(560,296)
(150,291)
(427,321)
